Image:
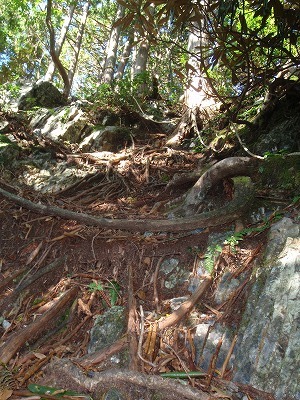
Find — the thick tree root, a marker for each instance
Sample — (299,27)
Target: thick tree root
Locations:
(132,384)
(229,167)
(223,215)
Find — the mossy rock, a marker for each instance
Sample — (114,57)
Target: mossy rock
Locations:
(281,172)
(43,94)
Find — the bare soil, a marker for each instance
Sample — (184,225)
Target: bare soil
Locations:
(87,256)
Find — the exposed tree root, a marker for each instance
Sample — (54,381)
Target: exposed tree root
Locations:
(185,307)
(131,383)
(229,167)
(18,339)
(223,215)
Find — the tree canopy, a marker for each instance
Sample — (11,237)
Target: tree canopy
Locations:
(243,45)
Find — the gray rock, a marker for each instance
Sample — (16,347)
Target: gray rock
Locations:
(107,328)
(9,153)
(173,274)
(267,352)
(4,126)
(282,136)
(42,94)
(113,394)
(62,124)
(109,138)
(207,337)
(176,302)
(227,286)
(278,235)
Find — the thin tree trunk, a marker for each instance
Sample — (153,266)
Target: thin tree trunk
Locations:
(141,58)
(140,65)
(125,57)
(55,57)
(63,33)
(112,48)
(78,42)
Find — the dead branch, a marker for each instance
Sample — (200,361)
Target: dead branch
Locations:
(9,280)
(132,322)
(36,328)
(185,307)
(101,355)
(38,274)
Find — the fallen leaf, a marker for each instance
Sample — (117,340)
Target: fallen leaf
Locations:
(40,356)
(5,394)
(147,261)
(34,253)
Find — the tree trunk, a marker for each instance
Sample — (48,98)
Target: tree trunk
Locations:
(112,48)
(77,46)
(140,66)
(141,57)
(63,33)
(55,57)
(197,97)
(125,57)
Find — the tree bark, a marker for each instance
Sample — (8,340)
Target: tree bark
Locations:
(18,339)
(112,48)
(55,57)
(229,167)
(78,43)
(63,33)
(125,57)
(197,97)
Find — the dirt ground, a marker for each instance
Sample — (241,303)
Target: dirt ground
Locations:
(42,257)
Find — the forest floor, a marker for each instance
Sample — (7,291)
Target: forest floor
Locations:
(43,257)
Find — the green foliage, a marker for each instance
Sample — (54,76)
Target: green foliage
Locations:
(281,172)
(211,254)
(95,286)
(246,44)
(125,92)
(233,240)
(5,141)
(55,393)
(112,290)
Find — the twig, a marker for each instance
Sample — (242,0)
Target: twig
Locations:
(226,361)
(213,361)
(7,281)
(132,318)
(155,277)
(243,146)
(101,355)
(57,263)
(140,344)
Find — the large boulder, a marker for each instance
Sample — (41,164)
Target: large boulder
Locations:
(41,94)
(267,350)
(62,124)
(108,138)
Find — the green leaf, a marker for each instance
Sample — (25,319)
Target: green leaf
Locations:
(114,290)
(40,389)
